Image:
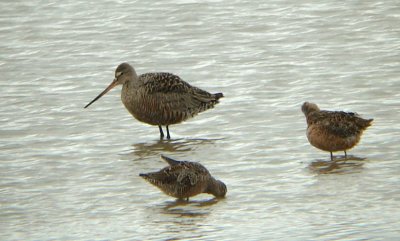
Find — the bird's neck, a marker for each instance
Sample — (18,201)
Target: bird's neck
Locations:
(136,81)
(133,83)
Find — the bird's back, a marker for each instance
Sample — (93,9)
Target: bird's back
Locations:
(339,123)
(165,99)
(335,130)
(183,180)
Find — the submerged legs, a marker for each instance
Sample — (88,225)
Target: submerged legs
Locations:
(345,156)
(168,136)
(162,133)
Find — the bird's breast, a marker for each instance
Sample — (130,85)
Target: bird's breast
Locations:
(327,141)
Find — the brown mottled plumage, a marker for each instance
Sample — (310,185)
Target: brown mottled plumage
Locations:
(160,99)
(333,130)
(184,179)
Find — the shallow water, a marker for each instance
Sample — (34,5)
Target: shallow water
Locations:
(69,173)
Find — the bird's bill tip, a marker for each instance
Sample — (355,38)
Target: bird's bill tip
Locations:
(164,157)
(112,85)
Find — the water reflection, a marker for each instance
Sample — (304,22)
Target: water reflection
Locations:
(198,203)
(146,150)
(182,220)
(339,165)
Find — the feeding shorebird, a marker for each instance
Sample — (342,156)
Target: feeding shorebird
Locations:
(333,130)
(160,99)
(184,179)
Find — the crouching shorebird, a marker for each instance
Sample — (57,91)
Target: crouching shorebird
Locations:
(333,130)
(184,179)
(160,99)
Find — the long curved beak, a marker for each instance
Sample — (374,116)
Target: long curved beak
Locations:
(112,85)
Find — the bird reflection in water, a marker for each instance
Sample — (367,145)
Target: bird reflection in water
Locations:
(181,220)
(338,165)
(149,150)
(198,203)
(182,208)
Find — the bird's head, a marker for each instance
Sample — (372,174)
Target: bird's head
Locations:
(123,74)
(308,107)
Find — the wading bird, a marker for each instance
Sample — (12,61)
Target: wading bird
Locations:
(184,179)
(333,130)
(160,99)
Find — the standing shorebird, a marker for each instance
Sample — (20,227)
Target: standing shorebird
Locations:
(333,130)
(160,99)
(184,179)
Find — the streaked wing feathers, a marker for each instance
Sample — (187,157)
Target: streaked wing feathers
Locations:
(340,123)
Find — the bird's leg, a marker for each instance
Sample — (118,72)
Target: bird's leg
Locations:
(187,199)
(345,156)
(161,132)
(168,136)
(331,156)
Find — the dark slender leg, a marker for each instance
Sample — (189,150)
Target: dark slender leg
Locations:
(331,156)
(187,199)
(161,132)
(345,154)
(168,136)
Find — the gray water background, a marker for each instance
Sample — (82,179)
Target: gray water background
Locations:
(68,173)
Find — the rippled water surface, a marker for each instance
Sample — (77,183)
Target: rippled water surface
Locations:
(68,173)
